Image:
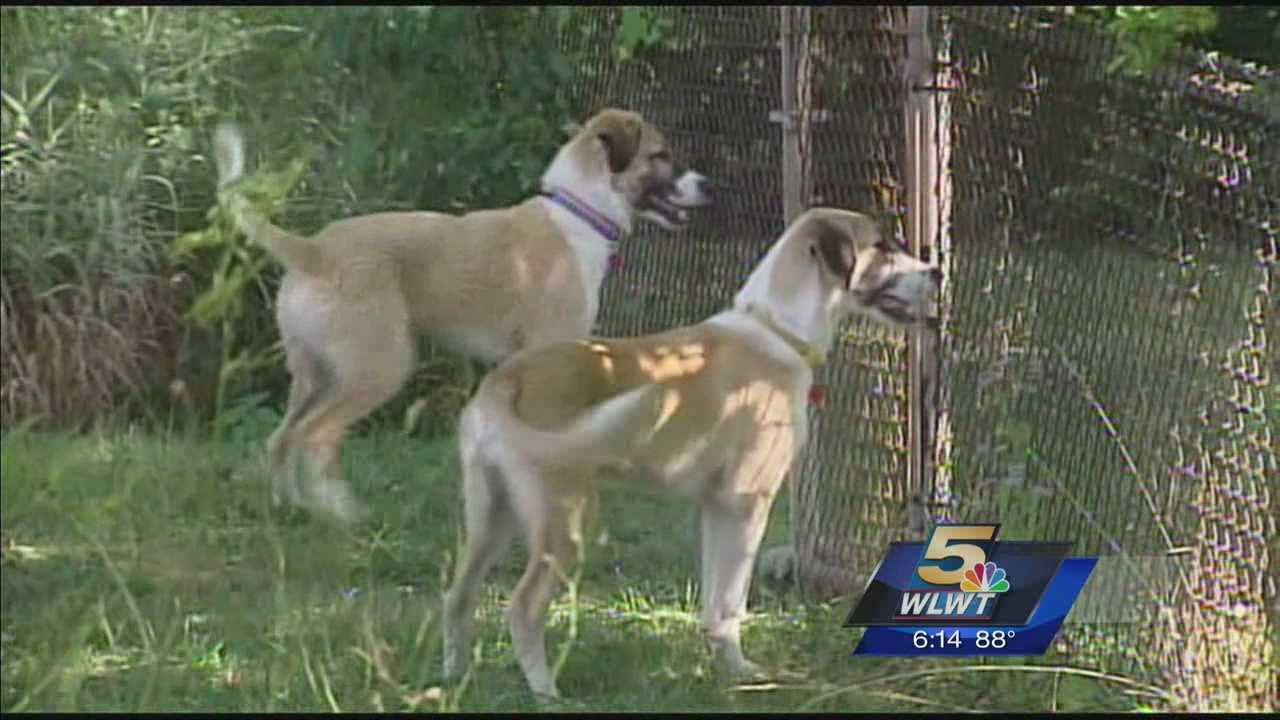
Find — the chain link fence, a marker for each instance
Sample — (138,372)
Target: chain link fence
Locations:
(1112,274)
(1110,249)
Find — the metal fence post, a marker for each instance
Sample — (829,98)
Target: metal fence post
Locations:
(797,114)
(790,141)
(939,447)
(920,167)
(792,202)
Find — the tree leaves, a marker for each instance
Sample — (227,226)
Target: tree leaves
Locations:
(641,27)
(1148,34)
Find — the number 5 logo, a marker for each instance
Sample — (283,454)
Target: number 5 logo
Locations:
(941,548)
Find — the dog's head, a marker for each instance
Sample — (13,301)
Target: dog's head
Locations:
(620,160)
(831,263)
(872,274)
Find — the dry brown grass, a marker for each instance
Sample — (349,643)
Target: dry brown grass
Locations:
(77,353)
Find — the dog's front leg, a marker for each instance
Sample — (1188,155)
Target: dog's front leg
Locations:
(730,539)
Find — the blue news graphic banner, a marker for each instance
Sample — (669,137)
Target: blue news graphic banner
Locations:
(963,593)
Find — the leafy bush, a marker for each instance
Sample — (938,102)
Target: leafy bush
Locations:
(1148,34)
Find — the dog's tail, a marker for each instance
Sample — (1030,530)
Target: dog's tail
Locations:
(605,432)
(293,251)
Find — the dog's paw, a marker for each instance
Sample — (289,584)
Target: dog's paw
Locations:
(559,704)
(351,512)
(336,500)
(748,672)
(548,696)
(281,499)
(284,490)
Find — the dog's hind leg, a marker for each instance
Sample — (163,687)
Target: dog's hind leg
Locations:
(490,527)
(312,378)
(370,363)
(281,454)
(556,526)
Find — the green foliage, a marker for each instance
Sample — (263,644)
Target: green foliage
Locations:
(239,269)
(239,261)
(100,171)
(1246,32)
(1147,34)
(91,141)
(641,27)
(107,114)
(438,108)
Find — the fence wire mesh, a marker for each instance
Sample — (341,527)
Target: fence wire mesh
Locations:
(1110,248)
(1112,276)
(716,116)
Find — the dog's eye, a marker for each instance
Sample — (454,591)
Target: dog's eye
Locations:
(886,246)
(660,156)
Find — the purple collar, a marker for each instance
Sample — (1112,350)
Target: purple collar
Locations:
(601,224)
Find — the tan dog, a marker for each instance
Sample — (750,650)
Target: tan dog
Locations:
(357,294)
(715,412)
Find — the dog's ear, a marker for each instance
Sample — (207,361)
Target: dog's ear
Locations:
(620,135)
(832,245)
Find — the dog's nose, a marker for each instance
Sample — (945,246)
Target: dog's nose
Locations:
(706,188)
(935,275)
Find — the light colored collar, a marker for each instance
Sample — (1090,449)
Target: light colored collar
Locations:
(812,353)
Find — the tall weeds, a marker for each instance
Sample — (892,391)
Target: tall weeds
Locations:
(105,164)
(98,109)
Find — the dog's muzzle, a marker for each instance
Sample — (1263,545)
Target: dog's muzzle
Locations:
(670,204)
(908,298)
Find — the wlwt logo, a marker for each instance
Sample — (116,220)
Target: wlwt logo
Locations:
(981,585)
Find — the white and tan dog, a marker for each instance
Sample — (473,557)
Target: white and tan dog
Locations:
(356,296)
(714,411)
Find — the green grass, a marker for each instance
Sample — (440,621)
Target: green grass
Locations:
(148,573)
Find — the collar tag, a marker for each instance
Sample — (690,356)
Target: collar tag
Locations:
(818,395)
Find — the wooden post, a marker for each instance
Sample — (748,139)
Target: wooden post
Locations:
(920,161)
